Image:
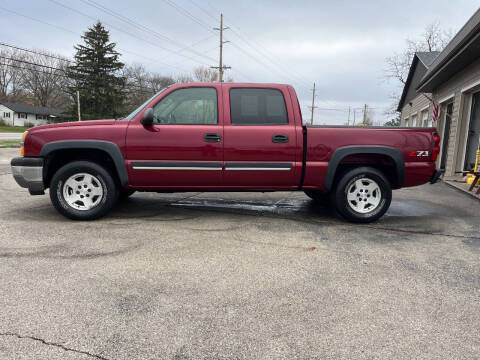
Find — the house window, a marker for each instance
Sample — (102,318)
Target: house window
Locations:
(6,114)
(22,115)
(407,123)
(41,117)
(426,122)
(414,120)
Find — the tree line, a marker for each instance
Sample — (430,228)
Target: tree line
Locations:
(107,87)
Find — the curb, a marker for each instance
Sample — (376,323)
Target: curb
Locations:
(458,188)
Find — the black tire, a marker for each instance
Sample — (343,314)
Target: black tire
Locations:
(125,194)
(347,208)
(318,196)
(103,181)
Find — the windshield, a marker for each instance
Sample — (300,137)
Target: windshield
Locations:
(137,110)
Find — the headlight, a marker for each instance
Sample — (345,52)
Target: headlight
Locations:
(22,148)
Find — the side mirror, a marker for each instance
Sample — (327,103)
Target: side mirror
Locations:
(147,118)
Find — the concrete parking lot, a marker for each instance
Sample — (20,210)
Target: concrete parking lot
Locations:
(239,276)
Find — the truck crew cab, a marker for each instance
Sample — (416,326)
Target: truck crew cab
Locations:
(223,137)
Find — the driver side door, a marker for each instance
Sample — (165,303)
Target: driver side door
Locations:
(183,149)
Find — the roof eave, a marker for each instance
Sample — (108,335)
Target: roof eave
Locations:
(428,84)
(407,82)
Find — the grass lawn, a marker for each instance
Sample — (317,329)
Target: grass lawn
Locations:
(9,143)
(12,129)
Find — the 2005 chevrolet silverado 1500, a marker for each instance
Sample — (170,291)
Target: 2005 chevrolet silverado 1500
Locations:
(223,137)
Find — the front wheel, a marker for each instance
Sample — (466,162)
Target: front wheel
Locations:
(362,195)
(83,190)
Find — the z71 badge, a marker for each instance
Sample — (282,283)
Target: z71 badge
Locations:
(419,153)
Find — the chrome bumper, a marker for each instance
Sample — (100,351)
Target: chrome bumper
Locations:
(28,173)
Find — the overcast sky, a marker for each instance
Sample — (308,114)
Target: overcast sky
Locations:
(341,45)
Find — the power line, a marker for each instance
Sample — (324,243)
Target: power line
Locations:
(144,28)
(30,63)
(188,14)
(128,33)
(36,52)
(255,48)
(269,58)
(36,70)
(202,9)
(37,20)
(129,86)
(76,34)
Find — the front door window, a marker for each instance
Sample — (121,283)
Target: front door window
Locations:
(192,106)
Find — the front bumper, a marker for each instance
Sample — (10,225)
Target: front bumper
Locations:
(28,173)
(436,175)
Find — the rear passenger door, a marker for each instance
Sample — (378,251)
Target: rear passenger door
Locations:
(259,137)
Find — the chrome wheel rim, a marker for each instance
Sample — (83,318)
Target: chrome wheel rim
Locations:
(82,191)
(364,195)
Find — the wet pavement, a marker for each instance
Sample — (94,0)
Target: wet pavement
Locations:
(239,276)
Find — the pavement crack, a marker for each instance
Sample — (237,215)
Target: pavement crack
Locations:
(49,343)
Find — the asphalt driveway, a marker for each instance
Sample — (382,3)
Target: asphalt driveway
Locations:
(239,276)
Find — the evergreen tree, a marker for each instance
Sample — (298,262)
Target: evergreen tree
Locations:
(96,75)
(393,122)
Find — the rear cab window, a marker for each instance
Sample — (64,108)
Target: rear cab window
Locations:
(257,106)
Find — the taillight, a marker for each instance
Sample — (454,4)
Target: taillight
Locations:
(436,146)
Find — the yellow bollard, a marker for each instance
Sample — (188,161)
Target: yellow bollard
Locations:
(470,177)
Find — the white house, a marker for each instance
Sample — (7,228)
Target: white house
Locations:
(26,115)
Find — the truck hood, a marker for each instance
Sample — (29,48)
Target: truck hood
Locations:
(76,123)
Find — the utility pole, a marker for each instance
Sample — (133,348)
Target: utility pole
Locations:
(220,66)
(78,104)
(354,113)
(348,120)
(313,104)
(365,114)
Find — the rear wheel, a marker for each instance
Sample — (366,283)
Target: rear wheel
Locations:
(362,195)
(82,190)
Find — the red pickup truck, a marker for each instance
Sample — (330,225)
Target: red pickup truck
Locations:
(223,137)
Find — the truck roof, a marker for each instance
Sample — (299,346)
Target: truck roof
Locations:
(230,83)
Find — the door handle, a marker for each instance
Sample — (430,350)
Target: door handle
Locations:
(212,138)
(280,139)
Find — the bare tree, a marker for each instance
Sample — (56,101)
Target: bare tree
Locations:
(137,89)
(398,65)
(205,74)
(44,80)
(141,84)
(158,82)
(433,39)
(184,78)
(11,75)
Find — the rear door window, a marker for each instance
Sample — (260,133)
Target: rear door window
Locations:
(254,106)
